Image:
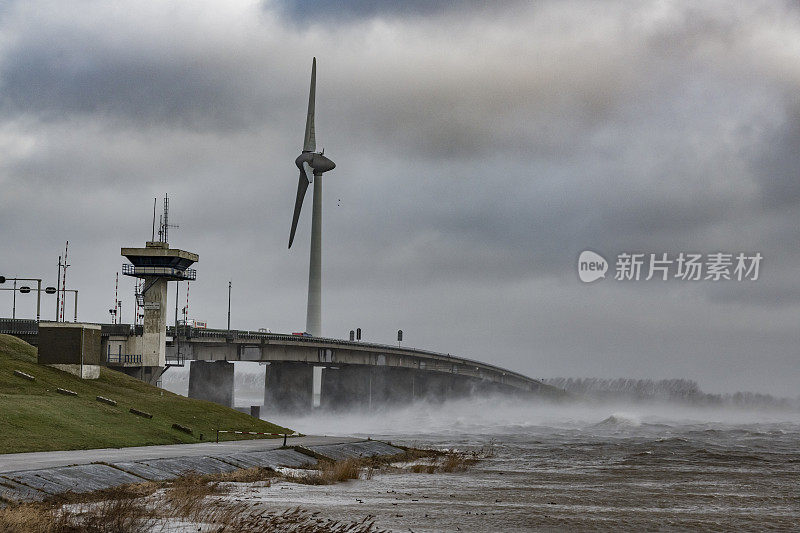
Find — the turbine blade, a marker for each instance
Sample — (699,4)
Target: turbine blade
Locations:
(302,186)
(310,141)
(309,172)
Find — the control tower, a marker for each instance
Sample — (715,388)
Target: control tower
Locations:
(157,264)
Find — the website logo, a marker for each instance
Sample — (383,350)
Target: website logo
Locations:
(591,266)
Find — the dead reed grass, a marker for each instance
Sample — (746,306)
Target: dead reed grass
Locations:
(330,472)
(341,470)
(239,519)
(457,462)
(110,516)
(248,475)
(27,518)
(447,462)
(139,508)
(126,516)
(186,494)
(423,468)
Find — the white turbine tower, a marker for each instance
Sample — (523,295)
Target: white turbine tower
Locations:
(312,165)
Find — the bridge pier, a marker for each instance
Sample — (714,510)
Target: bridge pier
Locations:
(365,387)
(435,386)
(381,378)
(401,386)
(289,387)
(462,386)
(212,381)
(346,387)
(490,388)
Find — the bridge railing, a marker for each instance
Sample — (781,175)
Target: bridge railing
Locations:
(259,335)
(124,359)
(152,270)
(19,326)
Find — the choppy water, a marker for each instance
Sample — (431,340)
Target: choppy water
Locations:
(576,467)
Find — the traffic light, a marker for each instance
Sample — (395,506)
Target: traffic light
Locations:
(358,334)
(50,290)
(352,335)
(399,335)
(2,279)
(24,290)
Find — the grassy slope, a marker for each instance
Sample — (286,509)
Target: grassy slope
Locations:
(33,417)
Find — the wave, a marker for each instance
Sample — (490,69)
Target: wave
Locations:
(620,420)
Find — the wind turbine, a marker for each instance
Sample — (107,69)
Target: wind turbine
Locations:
(312,165)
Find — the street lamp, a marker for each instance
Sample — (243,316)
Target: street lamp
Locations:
(229,307)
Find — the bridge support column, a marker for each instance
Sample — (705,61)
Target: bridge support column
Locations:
(379,387)
(434,386)
(212,381)
(401,385)
(363,387)
(347,387)
(289,387)
(492,388)
(461,386)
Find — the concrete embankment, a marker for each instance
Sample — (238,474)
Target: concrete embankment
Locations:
(143,465)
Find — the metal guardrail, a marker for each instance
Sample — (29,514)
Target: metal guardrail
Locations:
(19,326)
(258,335)
(22,326)
(189,274)
(124,359)
(177,359)
(284,435)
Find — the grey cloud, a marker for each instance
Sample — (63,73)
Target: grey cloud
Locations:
(56,84)
(778,162)
(319,11)
(475,160)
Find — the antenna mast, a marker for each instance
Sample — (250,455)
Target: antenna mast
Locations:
(153,238)
(186,308)
(64,282)
(116,298)
(163,231)
(166,217)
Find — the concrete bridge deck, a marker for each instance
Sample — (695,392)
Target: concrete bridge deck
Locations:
(345,374)
(238,345)
(354,374)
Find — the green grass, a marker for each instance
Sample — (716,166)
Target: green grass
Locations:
(34,417)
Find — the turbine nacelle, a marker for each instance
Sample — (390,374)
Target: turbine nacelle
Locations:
(313,164)
(309,162)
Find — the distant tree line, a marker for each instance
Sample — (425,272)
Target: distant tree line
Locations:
(676,390)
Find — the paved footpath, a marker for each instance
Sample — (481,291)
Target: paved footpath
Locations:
(14,462)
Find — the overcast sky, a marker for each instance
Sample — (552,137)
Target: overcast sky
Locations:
(480,147)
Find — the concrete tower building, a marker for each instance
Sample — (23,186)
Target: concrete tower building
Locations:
(157,264)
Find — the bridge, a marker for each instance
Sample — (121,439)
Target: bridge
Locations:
(349,375)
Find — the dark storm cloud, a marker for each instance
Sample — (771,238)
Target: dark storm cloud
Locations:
(478,152)
(79,75)
(319,11)
(778,164)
